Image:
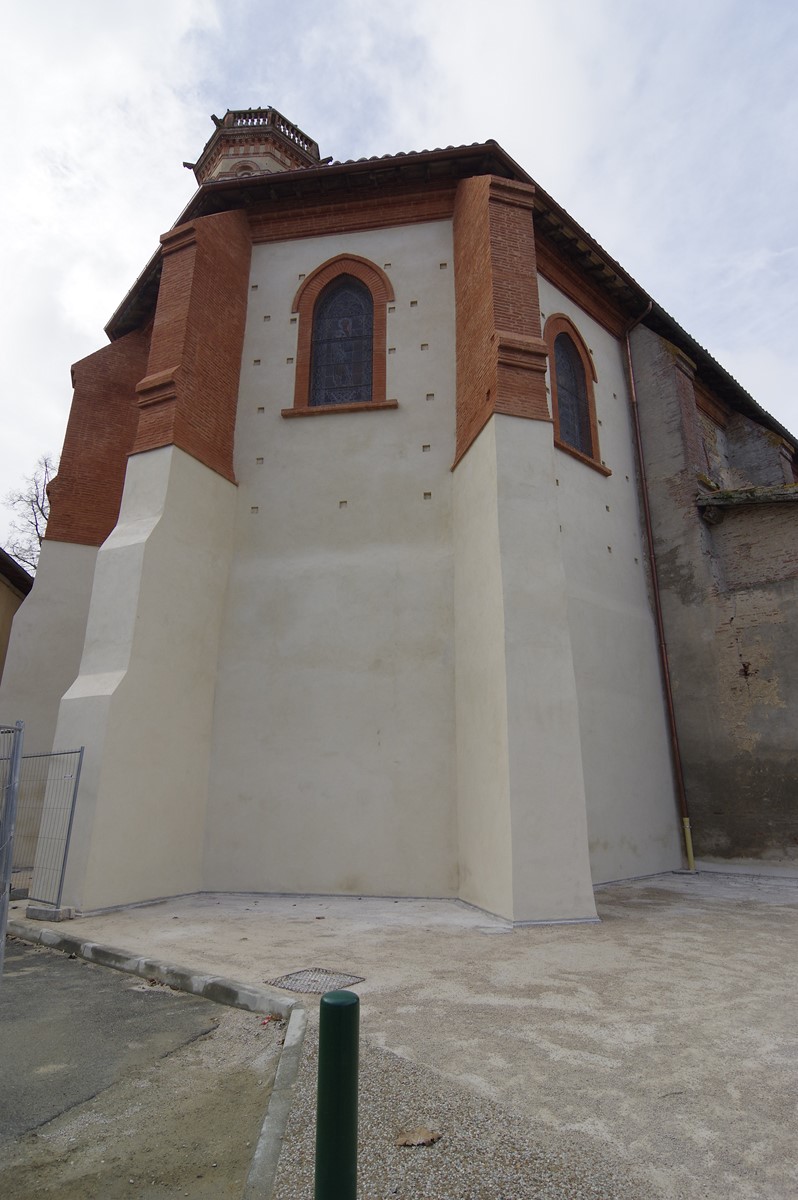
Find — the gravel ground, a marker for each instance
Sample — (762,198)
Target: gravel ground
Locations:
(484,1153)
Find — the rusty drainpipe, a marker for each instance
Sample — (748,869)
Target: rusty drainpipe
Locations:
(663,649)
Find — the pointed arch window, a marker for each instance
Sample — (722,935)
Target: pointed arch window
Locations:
(342,341)
(572,376)
(573,409)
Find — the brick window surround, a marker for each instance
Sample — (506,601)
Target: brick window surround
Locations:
(557,324)
(379,285)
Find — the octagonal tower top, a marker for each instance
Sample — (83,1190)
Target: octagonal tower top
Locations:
(253,141)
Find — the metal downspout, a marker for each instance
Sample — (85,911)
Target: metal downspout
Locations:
(663,649)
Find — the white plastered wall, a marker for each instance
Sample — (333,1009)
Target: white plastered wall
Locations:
(46,643)
(333,750)
(142,703)
(551,870)
(484,815)
(523,827)
(632,817)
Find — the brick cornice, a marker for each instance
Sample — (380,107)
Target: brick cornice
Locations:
(179,238)
(510,191)
(317,216)
(573,284)
(515,350)
(159,388)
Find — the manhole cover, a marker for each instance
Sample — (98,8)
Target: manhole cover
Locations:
(315,979)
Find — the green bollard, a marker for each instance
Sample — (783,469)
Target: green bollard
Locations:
(336,1105)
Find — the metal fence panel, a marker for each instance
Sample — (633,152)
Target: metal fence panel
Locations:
(48,791)
(10,757)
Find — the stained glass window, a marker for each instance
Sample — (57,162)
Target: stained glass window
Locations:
(341,359)
(572,403)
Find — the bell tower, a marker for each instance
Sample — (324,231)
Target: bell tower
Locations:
(254,141)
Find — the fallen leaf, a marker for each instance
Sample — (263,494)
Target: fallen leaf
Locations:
(418,1137)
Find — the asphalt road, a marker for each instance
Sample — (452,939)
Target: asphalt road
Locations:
(69,1029)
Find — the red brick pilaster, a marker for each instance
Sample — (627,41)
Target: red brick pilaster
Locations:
(501,356)
(86,494)
(190,394)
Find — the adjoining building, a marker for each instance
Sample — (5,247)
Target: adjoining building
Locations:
(348,586)
(15,584)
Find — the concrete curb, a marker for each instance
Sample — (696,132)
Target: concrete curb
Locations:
(211,987)
(263,1170)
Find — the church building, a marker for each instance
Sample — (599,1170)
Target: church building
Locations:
(403,545)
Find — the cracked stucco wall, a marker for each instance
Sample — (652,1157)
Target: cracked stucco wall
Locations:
(730,604)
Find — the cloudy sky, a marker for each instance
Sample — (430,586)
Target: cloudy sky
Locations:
(667,128)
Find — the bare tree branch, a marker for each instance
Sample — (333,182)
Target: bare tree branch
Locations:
(31,508)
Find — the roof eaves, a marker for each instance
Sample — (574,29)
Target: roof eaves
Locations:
(14,573)
(716,375)
(578,244)
(221,194)
(635,299)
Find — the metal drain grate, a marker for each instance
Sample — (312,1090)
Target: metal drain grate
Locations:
(315,979)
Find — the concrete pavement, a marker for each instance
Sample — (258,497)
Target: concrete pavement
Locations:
(69,1030)
(664,1037)
(113,1086)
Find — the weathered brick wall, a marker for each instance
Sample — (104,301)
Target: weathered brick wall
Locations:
(86,494)
(739,453)
(756,454)
(743,787)
(716,453)
(730,603)
(756,545)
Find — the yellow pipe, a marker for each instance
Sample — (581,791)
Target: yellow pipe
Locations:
(688,843)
